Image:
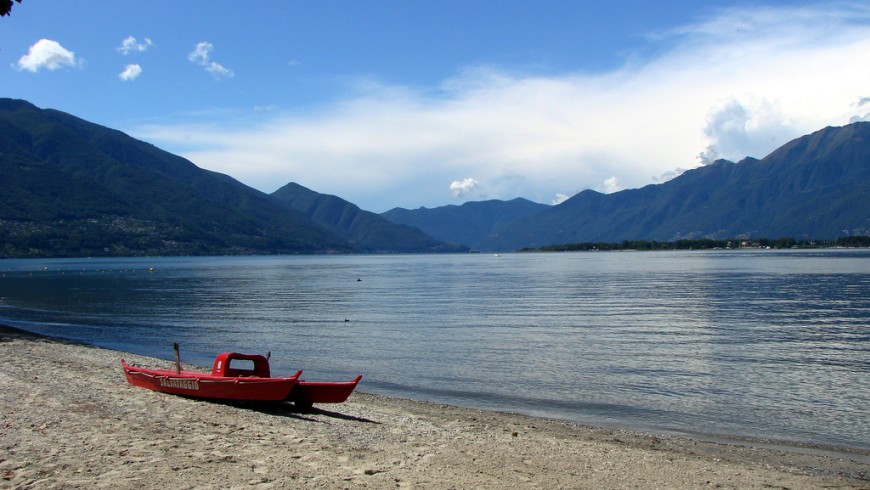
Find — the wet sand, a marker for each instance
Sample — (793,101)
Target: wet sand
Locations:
(70,420)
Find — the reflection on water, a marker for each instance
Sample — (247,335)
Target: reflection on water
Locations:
(766,343)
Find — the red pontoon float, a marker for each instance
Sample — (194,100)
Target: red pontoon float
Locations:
(307,393)
(237,376)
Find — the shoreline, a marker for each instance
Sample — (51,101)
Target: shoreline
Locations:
(71,420)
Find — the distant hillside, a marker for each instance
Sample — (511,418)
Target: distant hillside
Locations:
(815,187)
(71,187)
(471,223)
(366,231)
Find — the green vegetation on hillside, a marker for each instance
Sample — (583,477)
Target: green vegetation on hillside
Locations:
(706,244)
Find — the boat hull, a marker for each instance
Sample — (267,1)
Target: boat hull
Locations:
(307,393)
(197,384)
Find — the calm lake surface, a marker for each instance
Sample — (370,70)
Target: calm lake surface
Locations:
(770,344)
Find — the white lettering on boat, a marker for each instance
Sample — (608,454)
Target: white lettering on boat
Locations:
(184,384)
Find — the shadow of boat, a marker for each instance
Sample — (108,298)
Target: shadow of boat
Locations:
(289,410)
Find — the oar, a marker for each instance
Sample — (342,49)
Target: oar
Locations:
(177,358)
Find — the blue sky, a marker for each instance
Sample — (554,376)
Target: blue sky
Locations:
(405,103)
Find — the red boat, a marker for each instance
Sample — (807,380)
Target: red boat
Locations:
(224,383)
(237,376)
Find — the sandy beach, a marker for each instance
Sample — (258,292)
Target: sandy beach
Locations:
(70,420)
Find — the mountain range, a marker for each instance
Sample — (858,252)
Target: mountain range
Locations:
(364,230)
(816,186)
(74,188)
(473,223)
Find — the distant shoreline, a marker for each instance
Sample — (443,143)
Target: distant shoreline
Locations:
(625,246)
(708,244)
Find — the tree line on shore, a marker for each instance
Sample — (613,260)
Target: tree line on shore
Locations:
(706,244)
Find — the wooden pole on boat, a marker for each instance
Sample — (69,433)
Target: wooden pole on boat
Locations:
(177,358)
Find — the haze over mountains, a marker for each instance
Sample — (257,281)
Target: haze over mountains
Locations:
(74,188)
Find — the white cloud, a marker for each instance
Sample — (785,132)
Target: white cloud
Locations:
(741,83)
(560,198)
(460,188)
(609,186)
(861,103)
(131,45)
(49,55)
(736,129)
(671,174)
(131,72)
(201,56)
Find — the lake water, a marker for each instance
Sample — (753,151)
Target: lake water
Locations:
(770,344)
